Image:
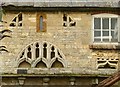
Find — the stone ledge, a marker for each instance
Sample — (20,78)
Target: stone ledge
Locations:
(55,75)
(105,46)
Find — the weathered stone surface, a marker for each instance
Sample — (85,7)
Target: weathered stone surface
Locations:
(74,42)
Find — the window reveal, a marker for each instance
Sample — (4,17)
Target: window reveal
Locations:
(41,22)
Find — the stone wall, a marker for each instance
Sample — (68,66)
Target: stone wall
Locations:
(73,41)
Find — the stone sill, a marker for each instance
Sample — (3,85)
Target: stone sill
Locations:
(55,75)
(105,46)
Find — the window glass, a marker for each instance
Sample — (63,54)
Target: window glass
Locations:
(97,23)
(114,36)
(41,23)
(97,33)
(105,40)
(105,33)
(105,23)
(97,39)
(113,23)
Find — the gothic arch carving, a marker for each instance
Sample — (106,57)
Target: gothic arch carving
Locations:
(24,64)
(44,53)
(107,63)
(57,59)
(22,60)
(57,64)
(40,64)
(16,21)
(39,60)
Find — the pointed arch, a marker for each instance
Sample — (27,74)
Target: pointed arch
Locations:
(41,53)
(57,64)
(23,60)
(37,61)
(41,64)
(24,64)
(58,59)
(16,21)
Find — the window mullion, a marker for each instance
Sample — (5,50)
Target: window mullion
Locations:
(110,36)
(101,19)
(118,29)
(93,30)
(68,21)
(17,21)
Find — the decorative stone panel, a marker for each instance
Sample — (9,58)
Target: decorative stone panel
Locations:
(41,55)
(107,63)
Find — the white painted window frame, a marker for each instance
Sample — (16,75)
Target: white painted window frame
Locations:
(105,15)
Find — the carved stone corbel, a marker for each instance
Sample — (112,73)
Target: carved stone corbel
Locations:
(46,81)
(72,81)
(21,80)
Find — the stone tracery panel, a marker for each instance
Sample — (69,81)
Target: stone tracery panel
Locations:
(42,55)
(68,21)
(107,63)
(17,21)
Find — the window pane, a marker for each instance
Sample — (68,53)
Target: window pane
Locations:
(97,33)
(41,22)
(113,23)
(97,39)
(105,22)
(105,40)
(114,36)
(114,40)
(97,23)
(105,33)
